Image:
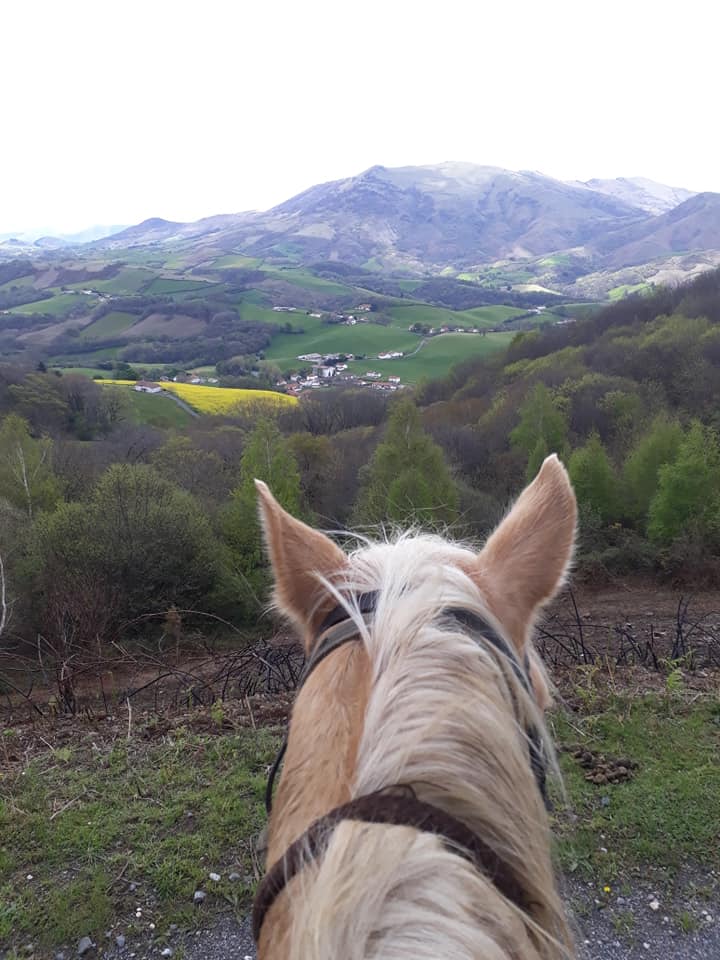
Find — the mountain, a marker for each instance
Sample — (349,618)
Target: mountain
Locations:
(692,226)
(417,218)
(45,237)
(639,192)
(92,233)
(452,214)
(455,218)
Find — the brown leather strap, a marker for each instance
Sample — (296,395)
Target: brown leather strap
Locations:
(399,807)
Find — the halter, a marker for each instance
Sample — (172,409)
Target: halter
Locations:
(398,805)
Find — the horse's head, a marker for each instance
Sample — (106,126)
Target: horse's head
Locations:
(425,698)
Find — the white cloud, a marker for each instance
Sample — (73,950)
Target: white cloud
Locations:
(117,111)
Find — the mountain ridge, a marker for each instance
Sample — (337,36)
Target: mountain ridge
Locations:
(453,217)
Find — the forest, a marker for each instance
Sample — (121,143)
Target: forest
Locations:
(112,529)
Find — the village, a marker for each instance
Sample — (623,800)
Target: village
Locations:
(331,369)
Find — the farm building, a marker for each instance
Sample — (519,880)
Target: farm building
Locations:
(147,386)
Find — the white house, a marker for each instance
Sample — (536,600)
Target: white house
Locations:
(147,386)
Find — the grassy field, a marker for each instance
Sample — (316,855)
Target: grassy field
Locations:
(58,305)
(19,282)
(365,338)
(260,313)
(307,281)
(437,317)
(86,371)
(109,325)
(166,285)
(83,359)
(237,261)
(128,280)
(625,289)
(114,825)
(436,356)
(158,411)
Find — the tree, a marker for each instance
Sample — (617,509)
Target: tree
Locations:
(198,471)
(407,481)
(688,495)
(542,429)
(594,479)
(267,456)
(138,546)
(660,445)
(26,476)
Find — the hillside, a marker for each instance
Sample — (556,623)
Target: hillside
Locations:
(365,266)
(655,198)
(495,227)
(459,218)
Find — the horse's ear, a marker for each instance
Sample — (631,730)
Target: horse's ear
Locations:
(299,556)
(526,560)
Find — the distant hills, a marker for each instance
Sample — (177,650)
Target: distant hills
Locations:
(457,219)
(647,195)
(29,241)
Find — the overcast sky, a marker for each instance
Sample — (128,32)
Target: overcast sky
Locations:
(117,110)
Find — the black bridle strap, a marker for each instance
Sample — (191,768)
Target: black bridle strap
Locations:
(396,807)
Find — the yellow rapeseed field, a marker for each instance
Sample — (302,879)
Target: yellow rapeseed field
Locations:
(218,399)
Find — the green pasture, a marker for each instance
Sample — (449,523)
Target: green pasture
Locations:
(236,261)
(436,356)
(109,325)
(365,338)
(58,305)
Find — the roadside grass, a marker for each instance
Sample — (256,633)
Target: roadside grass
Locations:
(79,824)
(667,815)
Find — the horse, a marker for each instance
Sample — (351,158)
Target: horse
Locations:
(410,818)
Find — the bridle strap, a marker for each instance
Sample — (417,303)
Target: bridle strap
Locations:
(334,631)
(398,807)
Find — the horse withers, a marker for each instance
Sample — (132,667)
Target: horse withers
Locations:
(410,817)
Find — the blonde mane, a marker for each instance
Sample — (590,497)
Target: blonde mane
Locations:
(441,717)
(417,701)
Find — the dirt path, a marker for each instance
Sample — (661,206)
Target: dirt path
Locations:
(181,403)
(624,928)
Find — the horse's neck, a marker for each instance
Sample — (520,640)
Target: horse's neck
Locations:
(322,748)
